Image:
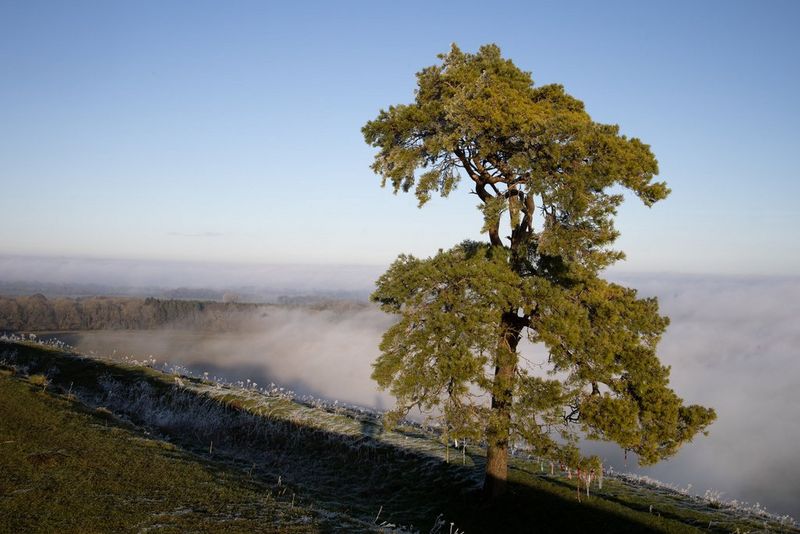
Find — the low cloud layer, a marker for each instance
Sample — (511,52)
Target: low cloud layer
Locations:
(122,273)
(327,354)
(734,344)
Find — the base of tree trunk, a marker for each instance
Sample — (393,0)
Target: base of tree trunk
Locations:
(496,478)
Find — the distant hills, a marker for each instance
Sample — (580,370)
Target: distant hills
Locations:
(252,294)
(38,313)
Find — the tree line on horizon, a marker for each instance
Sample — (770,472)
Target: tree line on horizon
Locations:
(37,313)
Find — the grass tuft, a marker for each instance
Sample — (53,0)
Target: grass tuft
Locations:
(38,380)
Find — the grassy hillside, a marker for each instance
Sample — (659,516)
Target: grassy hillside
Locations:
(91,445)
(67,469)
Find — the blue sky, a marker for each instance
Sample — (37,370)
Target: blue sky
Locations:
(230,131)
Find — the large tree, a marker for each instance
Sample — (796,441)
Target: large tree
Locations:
(543,169)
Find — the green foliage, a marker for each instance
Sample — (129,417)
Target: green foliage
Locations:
(539,163)
(450,309)
(481,115)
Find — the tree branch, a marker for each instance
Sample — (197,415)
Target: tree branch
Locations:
(467,164)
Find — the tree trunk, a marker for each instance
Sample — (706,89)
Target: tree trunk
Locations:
(496,476)
(497,434)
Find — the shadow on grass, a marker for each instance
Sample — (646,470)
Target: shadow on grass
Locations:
(642,507)
(354,472)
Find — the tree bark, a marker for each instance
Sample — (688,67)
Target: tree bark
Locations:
(496,477)
(498,431)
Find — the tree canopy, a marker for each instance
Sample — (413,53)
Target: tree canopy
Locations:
(553,178)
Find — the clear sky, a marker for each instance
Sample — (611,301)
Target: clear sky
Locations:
(230,131)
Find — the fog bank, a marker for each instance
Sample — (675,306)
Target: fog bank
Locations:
(733,345)
(326,353)
(142,276)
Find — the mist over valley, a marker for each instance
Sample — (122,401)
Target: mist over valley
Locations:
(732,344)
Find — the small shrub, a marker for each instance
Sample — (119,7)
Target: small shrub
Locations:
(39,380)
(101,410)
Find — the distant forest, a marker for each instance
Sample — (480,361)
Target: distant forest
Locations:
(37,313)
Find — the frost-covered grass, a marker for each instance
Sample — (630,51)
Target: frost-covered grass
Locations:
(66,469)
(338,460)
(736,514)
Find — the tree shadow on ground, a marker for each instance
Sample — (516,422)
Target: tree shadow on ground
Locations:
(357,474)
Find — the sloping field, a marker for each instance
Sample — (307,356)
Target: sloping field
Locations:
(93,445)
(64,468)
